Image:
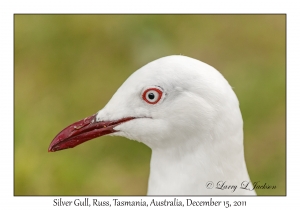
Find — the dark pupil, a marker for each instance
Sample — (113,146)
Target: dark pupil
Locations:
(151,96)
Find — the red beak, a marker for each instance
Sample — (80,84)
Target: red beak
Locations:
(82,131)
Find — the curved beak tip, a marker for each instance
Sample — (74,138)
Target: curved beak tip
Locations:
(82,131)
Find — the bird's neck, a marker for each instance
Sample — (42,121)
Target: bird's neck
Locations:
(200,167)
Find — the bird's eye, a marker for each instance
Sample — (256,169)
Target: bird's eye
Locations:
(152,95)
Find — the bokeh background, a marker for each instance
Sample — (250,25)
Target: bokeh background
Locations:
(68,66)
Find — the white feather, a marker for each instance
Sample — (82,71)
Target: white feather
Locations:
(195,131)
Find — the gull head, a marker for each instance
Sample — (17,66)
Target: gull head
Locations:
(187,113)
(166,103)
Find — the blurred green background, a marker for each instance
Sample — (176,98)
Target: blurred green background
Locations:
(68,66)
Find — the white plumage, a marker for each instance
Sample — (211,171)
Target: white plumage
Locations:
(188,114)
(195,130)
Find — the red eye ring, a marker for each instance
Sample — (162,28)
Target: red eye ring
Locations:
(152,92)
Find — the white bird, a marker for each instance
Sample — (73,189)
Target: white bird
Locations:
(188,114)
